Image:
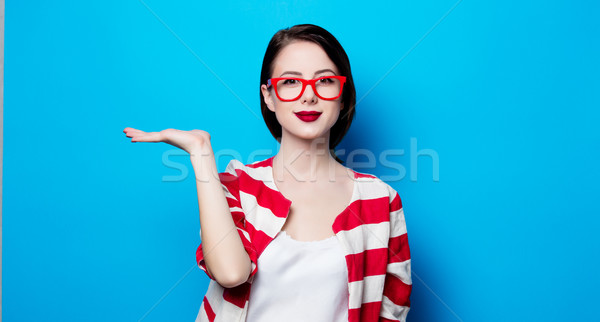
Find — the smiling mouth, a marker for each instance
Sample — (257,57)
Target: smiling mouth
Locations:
(308,116)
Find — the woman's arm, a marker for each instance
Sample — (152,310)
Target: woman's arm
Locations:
(398,281)
(224,254)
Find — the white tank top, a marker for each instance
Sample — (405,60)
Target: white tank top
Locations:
(299,281)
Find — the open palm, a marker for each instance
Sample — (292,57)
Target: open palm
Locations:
(188,141)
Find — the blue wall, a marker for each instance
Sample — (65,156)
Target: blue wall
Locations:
(504,94)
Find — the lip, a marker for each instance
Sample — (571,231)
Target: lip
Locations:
(308,116)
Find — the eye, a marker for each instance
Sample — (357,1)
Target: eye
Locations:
(326,81)
(289,82)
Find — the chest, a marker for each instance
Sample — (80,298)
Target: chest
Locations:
(315,207)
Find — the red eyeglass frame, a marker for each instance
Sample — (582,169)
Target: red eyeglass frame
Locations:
(305,82)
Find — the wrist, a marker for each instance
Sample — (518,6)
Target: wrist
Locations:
(204,164)
(201,151)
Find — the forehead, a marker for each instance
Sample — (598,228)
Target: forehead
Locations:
(304,57)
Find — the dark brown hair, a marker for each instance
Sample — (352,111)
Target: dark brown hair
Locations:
(336,53)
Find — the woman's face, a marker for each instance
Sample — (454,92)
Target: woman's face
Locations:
(308,117)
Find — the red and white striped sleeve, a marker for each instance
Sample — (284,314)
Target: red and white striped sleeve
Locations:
(398,282)
(230,183)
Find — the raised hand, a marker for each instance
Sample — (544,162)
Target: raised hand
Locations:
(226,259)
(188,141)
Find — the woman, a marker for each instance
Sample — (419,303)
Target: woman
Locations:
(315,240)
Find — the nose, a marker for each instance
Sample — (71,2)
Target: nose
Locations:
(309,95)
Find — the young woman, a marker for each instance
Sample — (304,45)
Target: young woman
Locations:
(315,241)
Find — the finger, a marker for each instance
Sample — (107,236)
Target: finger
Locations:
(133,132)
(147,137)
(130,129)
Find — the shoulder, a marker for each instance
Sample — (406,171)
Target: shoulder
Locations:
(370,187)
(255,173)
(235,167)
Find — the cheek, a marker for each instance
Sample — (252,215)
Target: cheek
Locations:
(281,109)
(337,112)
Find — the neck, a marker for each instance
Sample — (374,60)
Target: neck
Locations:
(304,160)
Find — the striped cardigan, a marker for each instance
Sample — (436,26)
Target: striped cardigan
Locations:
(371,230)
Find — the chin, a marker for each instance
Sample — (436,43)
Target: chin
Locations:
(313,135)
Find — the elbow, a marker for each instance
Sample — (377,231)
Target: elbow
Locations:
(231,271)
(232,275)
(232,279)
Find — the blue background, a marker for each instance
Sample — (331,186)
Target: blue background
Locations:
(505,93)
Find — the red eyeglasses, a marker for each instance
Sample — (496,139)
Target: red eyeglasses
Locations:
(290,89)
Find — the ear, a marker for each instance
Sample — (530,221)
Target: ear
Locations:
(267,97)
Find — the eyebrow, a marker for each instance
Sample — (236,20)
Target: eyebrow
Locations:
(320,71)
(291,73)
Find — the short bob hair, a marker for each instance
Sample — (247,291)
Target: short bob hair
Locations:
(336,53)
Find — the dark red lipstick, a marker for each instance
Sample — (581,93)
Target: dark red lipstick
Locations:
(308,116)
